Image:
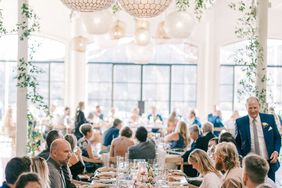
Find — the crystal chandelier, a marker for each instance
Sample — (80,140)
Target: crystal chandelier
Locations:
(87,5)
(144,8)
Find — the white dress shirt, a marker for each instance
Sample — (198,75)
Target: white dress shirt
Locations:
(262,146)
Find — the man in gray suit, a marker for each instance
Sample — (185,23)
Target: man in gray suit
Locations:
(146,148)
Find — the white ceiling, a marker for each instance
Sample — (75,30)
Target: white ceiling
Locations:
(56,23)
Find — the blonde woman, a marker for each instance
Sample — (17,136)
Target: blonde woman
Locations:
(9,127)
(203,164)
(179,138)
(39,166)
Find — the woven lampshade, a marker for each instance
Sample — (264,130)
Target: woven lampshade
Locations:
(87,5)
(144,8)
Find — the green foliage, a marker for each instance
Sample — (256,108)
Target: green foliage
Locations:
(116,8)
(34,135)
(27,74)
(199,6)
(182,5)
(3,30)
(250,54)
(33,24)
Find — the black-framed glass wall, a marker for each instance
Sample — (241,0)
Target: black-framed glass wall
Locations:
(121,85)
(51,83)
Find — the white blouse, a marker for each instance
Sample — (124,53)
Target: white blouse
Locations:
(211,180)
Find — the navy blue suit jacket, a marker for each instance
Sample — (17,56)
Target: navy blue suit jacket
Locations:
(272,137)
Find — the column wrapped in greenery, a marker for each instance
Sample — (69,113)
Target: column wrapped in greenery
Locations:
(251,54)
(27,74)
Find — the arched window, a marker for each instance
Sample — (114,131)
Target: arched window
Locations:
(49,56)
(231,74)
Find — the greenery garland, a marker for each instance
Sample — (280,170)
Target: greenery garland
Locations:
(250,54)
(199,6)
(27,77)
(27,74)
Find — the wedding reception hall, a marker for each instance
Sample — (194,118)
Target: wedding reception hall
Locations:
(140,93)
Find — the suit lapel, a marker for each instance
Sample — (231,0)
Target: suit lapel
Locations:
(248,132)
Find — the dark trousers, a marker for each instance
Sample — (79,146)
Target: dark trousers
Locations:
(271,174)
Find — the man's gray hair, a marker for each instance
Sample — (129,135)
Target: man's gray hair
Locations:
(207,127)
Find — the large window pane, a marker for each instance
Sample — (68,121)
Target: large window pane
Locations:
(274,84)
(183,88)
(100,85)
(127,87)
(156,87)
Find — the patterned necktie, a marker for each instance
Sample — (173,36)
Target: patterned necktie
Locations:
(256,140)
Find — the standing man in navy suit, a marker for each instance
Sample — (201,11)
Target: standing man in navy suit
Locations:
(258,133)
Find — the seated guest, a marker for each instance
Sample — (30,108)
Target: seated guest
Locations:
(194,135)
(29,180)
(135,117)
(112,132)
(171,125)
(145,149)
(179,138)
(14,168)
(203,141)
(226,137)
(98,112)
(211,147)
(51,136)
(75,163)
(227,160)
(193,119)
(60,153)
(85,145)
(216,119)
(255,169)
(40,167)
(154,117)
(121,144)
(203,164)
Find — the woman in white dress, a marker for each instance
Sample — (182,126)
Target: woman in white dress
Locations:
(203,164)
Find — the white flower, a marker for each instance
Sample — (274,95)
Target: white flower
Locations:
(264,124)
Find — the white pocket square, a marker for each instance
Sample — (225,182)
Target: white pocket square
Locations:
(270,128)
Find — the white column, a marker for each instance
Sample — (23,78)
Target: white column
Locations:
(262,23)
(208,69)
(21,138)
(76,64)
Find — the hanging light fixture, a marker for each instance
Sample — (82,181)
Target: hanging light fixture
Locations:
(87,5)
(161,31)
(118,30)
(179,24)
(98,22)
(79,44)
(142,34)
(144,8)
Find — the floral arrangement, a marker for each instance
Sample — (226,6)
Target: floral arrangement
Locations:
(146,177)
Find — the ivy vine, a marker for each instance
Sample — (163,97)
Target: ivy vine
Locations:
(199,6)
(3,30)
(27,77)
(116,8)
(251,53)
(27,73)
